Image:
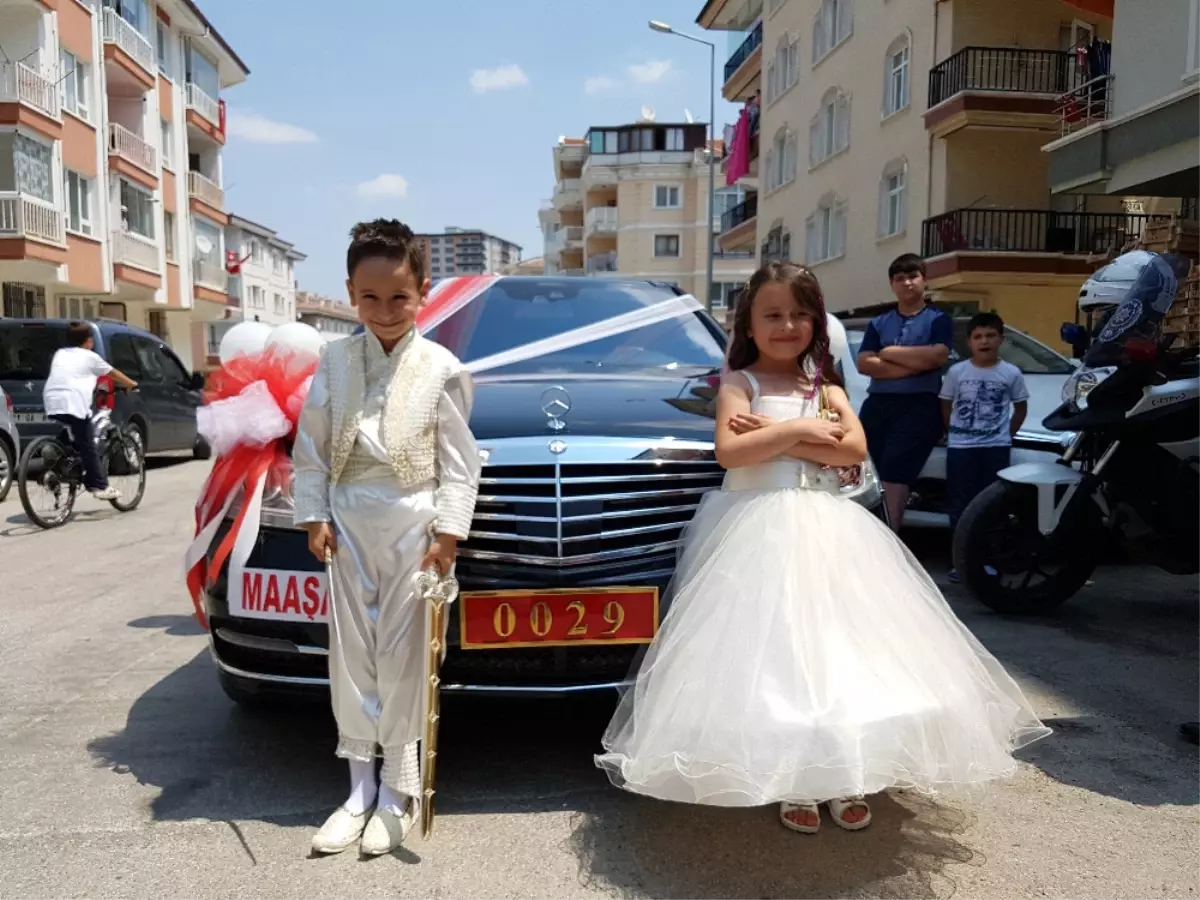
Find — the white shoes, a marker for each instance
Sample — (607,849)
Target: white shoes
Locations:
(387,830)
(108,493)
(340,831)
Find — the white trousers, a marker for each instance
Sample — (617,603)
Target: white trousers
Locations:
(377,646)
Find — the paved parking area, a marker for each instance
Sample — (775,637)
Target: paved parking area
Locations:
(125,772)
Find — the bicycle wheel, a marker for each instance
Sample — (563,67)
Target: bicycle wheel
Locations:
(49,468)
(132,482)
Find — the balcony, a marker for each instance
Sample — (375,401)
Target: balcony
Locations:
(28,218)
(29,92)
(739,225)
(600,220)
(206,191)
(130,249)
(1086,105)
(744,67)
(202,104)
(210,275)
(998,87)
(569,237)
(124,44)
(131,148)
(568,193)
(1033,241)
(602,263)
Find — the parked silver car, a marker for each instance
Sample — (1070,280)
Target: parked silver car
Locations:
(10,444)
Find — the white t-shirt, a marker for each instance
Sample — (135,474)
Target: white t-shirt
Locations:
(72,382)
(981,400)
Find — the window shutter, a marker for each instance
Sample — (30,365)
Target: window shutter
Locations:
(842,121)
(845,24)
(902,214)
(812,253)
(793,62)
(837,229)
(791,151)
(818,49)
(881,227)
(814,140)
(771,82)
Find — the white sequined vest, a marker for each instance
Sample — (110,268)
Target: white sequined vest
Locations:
(410,416)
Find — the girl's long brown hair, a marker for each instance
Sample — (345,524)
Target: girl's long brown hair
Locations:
(743,352)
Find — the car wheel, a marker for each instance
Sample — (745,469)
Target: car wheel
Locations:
(8,469)
(201,449)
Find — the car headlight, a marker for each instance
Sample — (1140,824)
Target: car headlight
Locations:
(1083,382)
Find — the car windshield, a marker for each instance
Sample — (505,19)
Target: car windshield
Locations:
(26,349)
(516,312)
(1031,357)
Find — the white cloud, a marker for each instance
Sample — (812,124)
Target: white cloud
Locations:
(598,84)
(261,130)
(651,71)
(385,185)
(501,78)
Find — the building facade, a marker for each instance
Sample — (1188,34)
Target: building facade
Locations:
(332,318)
(915,126)
(632,201)
(112,125)
(265,284)
(462,251)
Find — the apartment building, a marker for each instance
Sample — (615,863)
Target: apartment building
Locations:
(111,130)
(464,251)
(262,280)
(632,201)
(333,318)
(918,126)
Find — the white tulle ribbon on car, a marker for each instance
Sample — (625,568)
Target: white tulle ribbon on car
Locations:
(252,417)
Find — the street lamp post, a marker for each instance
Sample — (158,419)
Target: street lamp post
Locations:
(664,28)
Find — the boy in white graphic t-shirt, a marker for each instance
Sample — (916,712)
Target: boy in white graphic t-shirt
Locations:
(67,398)
(984,403)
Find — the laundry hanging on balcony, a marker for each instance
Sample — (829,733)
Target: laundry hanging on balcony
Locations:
(739,156)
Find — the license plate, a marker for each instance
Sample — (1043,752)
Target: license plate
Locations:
(504,619)
(279,595)
(29,417)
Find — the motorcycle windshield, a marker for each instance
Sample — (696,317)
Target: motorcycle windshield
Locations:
(1139,315)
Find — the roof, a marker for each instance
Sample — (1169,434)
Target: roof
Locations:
(272,236)
(215,35)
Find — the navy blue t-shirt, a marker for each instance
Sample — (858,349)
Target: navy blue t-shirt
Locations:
(927,328)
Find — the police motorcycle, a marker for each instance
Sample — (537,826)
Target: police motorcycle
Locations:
(1128,482)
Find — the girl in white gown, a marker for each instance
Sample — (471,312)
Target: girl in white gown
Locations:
(806,656)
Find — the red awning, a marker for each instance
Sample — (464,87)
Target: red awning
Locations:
(1096,7)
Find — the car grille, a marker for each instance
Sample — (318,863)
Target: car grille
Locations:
(587,516)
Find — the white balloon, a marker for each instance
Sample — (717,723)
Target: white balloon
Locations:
(243,339)
(302,339)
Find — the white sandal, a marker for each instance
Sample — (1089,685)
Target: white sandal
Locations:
(785,807)
(838,809)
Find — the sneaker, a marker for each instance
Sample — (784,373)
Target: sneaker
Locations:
(108,493)
(954,577)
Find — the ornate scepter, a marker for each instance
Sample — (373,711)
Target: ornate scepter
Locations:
(439,592)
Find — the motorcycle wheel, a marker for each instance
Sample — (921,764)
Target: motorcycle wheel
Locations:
(998,542)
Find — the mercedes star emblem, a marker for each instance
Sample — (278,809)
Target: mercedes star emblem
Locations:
(556,403)
(557,446)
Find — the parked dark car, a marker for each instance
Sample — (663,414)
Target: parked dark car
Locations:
(595,458)
(163,410)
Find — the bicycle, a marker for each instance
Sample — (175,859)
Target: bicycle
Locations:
(52,463)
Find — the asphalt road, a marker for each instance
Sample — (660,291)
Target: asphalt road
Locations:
(125,772)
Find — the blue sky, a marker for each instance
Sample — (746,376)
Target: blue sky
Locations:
(436,113)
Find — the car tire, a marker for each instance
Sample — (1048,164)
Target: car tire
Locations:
(8,469)
(201,450)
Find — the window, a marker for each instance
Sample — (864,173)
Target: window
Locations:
(256,252)
(73,84)
(277,263)
(163,36)
(666,196)
(168,145)
(892,204)
(77,197)
(666,245)
(675,139)
(829,132)
(202,72)
(784,70)
(833,24)
(826,232)
(727,198)
(169,235)
(781,159)
(151,359)
(279,307)
(895,92)
(123,356)
(137,210)
(257,298)
(207,242)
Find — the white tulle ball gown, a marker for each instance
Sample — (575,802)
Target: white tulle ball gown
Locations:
(807,656)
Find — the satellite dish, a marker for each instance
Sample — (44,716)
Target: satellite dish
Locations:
(647,113)
(203,244)
(687,116)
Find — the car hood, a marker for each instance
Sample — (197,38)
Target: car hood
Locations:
(608,406)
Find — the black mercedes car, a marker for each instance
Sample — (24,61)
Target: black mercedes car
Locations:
(595,458)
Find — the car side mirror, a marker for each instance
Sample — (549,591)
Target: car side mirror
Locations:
(196,382)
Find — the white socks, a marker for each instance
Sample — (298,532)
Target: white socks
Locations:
(364,786)
(392,801)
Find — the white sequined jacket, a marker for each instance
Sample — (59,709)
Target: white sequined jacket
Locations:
(407,410)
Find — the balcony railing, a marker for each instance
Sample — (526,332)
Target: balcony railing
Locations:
(600,263)
(28,217)
(567,186)
(601,219)
(210,275)
(752,42)
(135,250)
(1004,69)
(1028,231)
(740,214)
(21,84)
(132,148)
(205,190)
(571,234)
(206,106)
(121,34)
(1088,104)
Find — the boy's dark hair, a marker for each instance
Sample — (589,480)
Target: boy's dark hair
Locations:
(78,334)
(388,238)
(906,264)
(985,320)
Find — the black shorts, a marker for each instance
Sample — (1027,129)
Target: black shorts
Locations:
(902,430)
